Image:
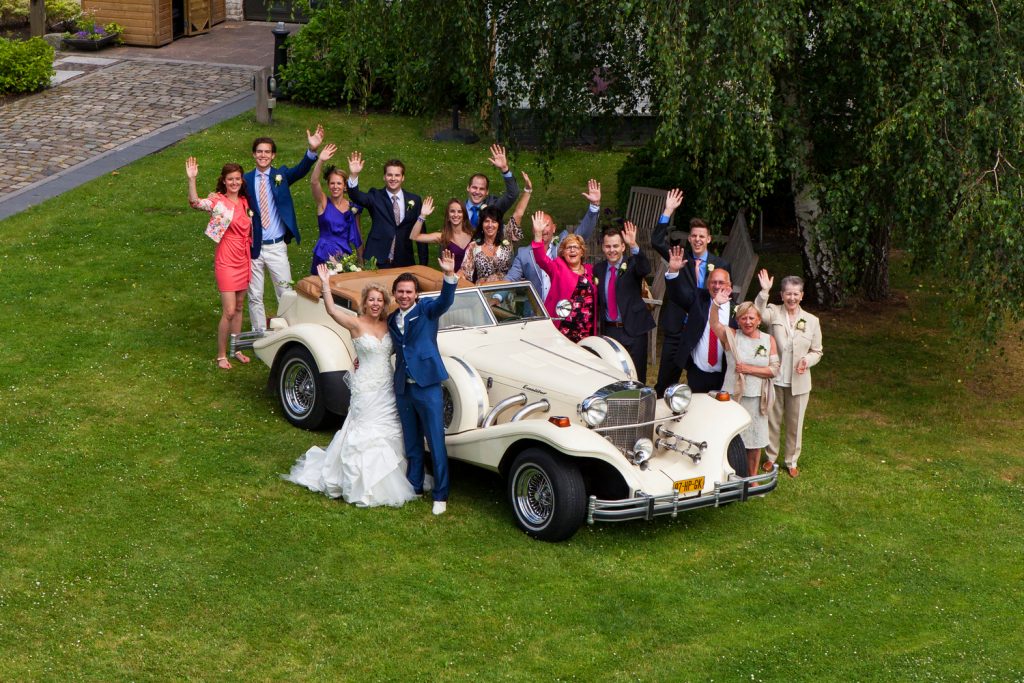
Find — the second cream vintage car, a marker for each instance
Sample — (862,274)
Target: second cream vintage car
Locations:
(576,437)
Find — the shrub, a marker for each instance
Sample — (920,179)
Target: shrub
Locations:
(642,168)
(25,66)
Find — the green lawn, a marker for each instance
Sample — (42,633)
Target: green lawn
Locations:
(145,533)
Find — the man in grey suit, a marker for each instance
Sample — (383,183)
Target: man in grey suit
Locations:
(479,185)
(524,267)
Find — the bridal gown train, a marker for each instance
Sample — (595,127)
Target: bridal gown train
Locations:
(365,462)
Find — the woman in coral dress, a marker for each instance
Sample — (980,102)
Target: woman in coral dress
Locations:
(231,227)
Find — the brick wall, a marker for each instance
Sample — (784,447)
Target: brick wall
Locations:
(234,10)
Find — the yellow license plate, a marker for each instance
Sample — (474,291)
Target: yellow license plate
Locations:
(689,485)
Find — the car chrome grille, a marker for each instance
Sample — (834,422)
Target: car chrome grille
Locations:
(629,408)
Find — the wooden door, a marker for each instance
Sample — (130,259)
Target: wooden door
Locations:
(198,16)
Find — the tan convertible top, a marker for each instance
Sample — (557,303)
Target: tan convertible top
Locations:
(350,285)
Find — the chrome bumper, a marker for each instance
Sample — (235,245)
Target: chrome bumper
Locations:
(649,507)
(243,340)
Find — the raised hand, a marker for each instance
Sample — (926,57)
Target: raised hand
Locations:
(329,151)
(355,164)
(673,200)
(593,193)
(191,168)
(765,280)
(427,207)
(447,262)
(722,296)
(539,221)
(629,234)
(527,183)
(498,158)
(314,139)
(325,274)
(676,262)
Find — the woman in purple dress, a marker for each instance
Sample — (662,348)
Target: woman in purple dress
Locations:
(336,216)
(456,234)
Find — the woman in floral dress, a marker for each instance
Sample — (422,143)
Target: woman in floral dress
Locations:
(571,279)
(231,227)
(492,250)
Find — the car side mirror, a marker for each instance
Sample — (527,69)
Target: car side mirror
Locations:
(562,309)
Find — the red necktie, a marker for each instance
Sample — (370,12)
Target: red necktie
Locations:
(712,341)
(613,304)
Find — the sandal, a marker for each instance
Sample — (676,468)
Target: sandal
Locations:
(223,363)
(241,357)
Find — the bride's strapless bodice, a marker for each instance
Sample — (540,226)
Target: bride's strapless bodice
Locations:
(374,362)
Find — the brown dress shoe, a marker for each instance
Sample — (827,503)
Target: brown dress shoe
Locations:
(794,472)
(767,466)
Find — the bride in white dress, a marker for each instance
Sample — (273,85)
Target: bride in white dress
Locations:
(365,462)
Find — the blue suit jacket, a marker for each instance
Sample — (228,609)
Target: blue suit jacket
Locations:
(282,194)
(378,242)
(416,353)
(525,267)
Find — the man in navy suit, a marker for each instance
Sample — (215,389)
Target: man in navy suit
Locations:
(699,349)
(268,190)
(479,185)
(524,266)
(419,372)
(672,317)
(394,212)
(621,309)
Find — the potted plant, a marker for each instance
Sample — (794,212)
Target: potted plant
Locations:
(91,35)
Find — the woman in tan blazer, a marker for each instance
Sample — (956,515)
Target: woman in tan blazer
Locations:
(797,335)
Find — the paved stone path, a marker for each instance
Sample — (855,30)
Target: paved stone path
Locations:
(105,109)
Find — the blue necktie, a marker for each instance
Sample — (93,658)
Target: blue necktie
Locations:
(474,214)
(700,273)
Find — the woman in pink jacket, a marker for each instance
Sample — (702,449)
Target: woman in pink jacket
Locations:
(571,279)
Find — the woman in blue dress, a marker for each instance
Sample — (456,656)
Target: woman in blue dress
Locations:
(337,217)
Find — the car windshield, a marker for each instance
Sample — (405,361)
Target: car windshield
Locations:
(514,302)
(493,305)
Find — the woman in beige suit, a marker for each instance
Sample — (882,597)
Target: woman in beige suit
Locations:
(797,335)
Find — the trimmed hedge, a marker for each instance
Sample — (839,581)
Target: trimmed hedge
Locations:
(25,65)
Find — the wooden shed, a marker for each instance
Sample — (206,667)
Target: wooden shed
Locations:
(151,23)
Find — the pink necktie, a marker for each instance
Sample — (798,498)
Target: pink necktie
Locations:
(613,304)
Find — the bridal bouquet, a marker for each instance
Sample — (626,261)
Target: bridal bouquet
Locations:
(349,263)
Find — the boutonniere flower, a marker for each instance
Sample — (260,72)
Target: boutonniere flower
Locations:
(354,209)
(711,267)
(249,212)
(622,267)
(801,325)
(409,203)
(555,240)
(504,243)
(278,179)
(761,352)
(483,206)
(596,282)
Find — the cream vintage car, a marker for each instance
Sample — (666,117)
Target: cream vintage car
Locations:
(567,425)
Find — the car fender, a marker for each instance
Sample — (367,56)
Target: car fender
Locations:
(467,393)
(329,350)
(611,352)
(488,447)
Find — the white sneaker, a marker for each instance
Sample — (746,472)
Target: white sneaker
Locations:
(439,507)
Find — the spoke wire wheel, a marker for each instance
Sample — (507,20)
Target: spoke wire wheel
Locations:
(298,390)
(534,497)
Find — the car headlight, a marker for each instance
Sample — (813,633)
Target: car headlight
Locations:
(594,410)
(677,397)
(642,451)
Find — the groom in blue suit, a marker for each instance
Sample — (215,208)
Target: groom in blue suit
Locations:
(419,372)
